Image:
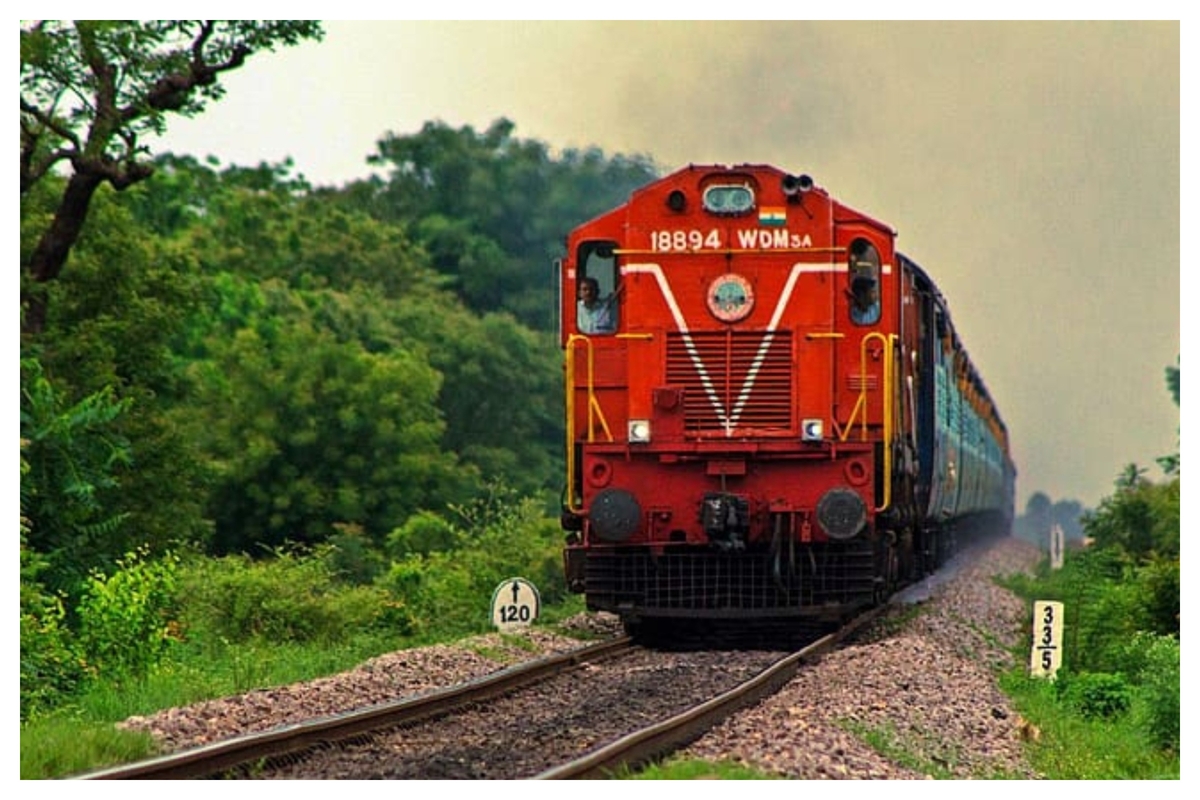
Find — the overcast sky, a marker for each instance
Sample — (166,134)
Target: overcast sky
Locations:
(1032,168)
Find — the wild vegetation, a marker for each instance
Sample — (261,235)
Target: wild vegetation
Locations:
(1113,709)
(259,416)
(270,429)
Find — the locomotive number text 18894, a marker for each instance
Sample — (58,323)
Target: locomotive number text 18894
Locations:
(670,241)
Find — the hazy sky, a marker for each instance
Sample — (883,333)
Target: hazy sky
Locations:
(1032,168)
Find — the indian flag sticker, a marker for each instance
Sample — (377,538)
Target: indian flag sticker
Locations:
(772,215)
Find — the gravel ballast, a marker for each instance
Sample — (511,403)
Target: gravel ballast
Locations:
(920,683)
(926,685)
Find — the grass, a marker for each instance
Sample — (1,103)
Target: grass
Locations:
(1067,746)
(924,757)
(504,655)
(66,744)
(1062,746)
(82,737)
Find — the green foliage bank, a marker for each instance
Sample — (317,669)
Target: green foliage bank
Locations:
(1113,711)
(257,411)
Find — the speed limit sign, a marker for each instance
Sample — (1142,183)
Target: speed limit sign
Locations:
(515,604)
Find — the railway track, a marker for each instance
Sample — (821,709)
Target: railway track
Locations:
(546,719)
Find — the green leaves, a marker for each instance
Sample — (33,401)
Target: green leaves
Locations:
(74,455)
(125,618)
(492,209)
(312,431)
(90,88)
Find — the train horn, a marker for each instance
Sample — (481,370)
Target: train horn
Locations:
(796,184)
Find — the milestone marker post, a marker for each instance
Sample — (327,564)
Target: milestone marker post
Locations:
(1046,656)
(515,604)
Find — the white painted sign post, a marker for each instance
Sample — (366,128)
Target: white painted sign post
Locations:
(1046,657)
(515,604)
(1057,544)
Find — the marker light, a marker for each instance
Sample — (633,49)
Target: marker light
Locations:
(813,430)
(639,431)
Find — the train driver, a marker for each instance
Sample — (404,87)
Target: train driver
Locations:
(864,283)
(594,314)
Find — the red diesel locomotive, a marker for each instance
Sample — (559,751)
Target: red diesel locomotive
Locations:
(769,415)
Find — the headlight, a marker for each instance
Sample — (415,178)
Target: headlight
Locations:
(728,199)
(841,513)
(813,430)
(615,515)
(639,431)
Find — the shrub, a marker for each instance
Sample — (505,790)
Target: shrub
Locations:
(449,592)
(124,618)
(51,669)
(422,533)
(1159,592)
(1096,695)
(292,597)
(1158,681)
(351,556)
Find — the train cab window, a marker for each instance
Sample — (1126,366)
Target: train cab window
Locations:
(596,311)
(864,283)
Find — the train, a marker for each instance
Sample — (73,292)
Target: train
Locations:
(770,418)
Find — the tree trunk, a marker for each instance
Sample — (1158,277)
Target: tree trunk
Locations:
(48,258)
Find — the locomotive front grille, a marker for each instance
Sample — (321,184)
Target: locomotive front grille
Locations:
(732,379)
(743,584)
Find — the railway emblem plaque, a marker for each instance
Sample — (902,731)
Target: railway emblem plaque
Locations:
(730,298)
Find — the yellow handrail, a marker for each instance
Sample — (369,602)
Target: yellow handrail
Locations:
(594,411)
(861,406)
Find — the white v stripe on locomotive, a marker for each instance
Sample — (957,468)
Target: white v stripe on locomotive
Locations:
(729,421)
(681,324)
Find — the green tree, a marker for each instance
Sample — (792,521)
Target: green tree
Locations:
(501,395)
(308,432)
(367,284)
(90,89)
(1035,523)
(1140,519)
(493,209)
(1170,463)
(50,664)
(185,191)
(73,458)
(1067,514)
(114,317)
(1173,381)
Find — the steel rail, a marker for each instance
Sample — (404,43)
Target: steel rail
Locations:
(662,738)
(285,740)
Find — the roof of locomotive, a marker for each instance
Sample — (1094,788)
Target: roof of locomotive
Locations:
(692,174)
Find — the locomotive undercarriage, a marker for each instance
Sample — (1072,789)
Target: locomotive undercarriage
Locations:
(820,580)
(762,589)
